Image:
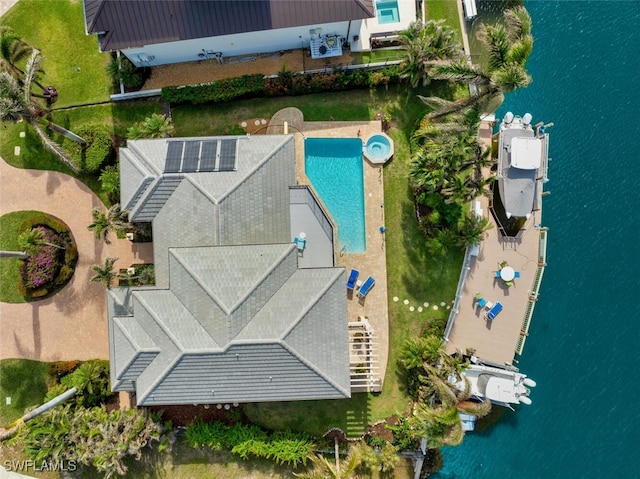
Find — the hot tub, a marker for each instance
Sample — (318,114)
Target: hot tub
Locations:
(378,148)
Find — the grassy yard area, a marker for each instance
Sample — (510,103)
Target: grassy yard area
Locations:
(25,382)
(72,62)
(118,117)
(447,10)
(10,267)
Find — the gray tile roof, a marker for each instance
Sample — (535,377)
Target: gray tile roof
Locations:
(124,23)
(231,312)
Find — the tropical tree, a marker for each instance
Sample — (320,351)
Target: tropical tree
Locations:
(426,43)
(115,219)
(17,102)
(12,51)
(416,351)
(92,380)
(29,240)
(104,274)
(325,469)
(473,229)
(509,46)
(88,436)
(154,126)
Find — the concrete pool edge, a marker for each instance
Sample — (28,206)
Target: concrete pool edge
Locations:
(373,260)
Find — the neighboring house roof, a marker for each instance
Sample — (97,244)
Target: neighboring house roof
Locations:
(232,317)
(123,24)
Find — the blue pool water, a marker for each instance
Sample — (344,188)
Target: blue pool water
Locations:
(335,168)
(584,421)
(378,147)
(388,12)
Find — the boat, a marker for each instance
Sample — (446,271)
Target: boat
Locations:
(522,161)
(500,386)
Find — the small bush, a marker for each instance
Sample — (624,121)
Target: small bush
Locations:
(95,153)
(58,369)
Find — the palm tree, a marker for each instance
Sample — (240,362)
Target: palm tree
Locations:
(115,219)
(424,44)
(104,274)
(16,103)
(416,351)
(324,469)
(29,240)
(154,126)
(12,50)
(473,229)
(509,47)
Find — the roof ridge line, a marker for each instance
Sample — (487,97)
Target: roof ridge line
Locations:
(311,366)
(263,276)
(312,302)
(173,252)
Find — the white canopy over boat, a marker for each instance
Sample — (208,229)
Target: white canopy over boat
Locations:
(526,153)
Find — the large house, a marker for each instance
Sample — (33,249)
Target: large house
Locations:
(236,315)
(157,32)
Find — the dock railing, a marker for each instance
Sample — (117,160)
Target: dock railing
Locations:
(535,288)
(466,267)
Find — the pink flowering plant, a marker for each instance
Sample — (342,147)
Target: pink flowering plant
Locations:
(42,266)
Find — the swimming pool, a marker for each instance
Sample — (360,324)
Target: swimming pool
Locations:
(335,169)
(388,12)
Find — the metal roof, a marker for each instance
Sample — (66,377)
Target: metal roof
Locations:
(123,24)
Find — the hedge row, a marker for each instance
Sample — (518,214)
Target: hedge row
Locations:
(217,91)
(286,83)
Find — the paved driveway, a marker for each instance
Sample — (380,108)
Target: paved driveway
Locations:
(72,324)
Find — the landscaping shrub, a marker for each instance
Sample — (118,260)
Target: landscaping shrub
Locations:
(249,440)
(47,269)
(59,369)
(42,266)
(95,153)
(286,83)
(92,380)
(217,91)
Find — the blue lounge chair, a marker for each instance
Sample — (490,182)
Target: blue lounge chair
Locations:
(300,242)
(353,277)
(495,311)
(366,287)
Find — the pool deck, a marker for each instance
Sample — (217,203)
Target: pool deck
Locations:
(372,262)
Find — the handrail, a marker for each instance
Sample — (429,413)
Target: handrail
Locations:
(535,289)
(466,266)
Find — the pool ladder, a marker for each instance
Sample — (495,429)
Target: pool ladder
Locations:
(343,251)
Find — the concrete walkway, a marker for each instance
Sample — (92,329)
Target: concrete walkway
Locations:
(72,324)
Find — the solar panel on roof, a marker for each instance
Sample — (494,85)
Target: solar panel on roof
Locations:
(228,155)
(208,155)
(191,156)
(174,157)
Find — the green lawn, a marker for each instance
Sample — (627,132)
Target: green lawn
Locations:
(25,382)
(72,62)
(10,267)
(447,10)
